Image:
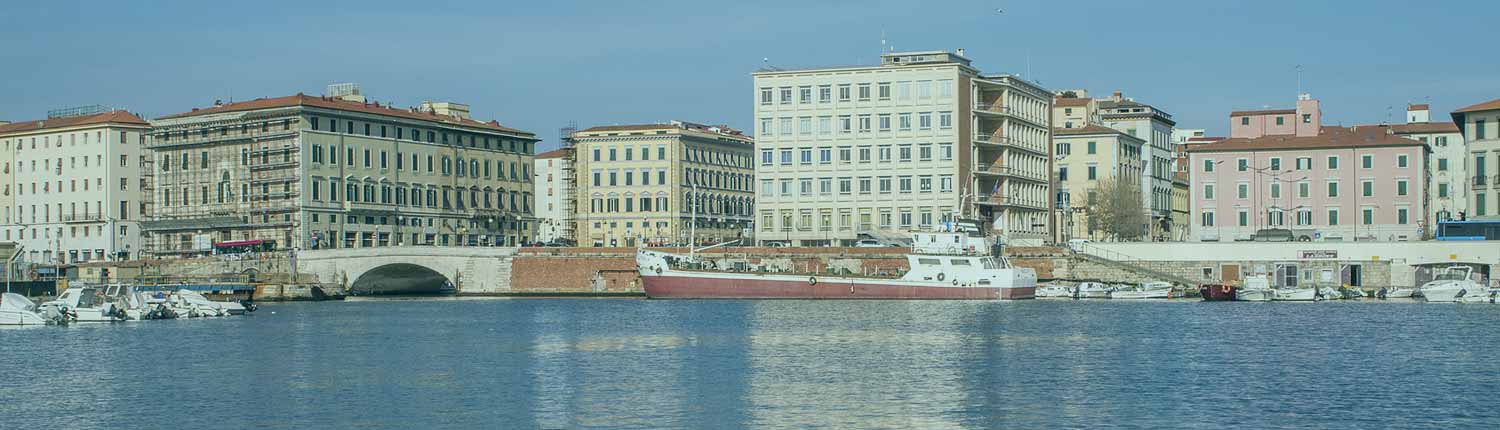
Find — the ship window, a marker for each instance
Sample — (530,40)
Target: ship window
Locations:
(984,282)
(929,262)
(959,262)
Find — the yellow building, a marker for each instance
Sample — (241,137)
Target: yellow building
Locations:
(1085,157)
(638,184)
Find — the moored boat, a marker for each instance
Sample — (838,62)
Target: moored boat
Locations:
(16,309)
(1257,289)
(1294,294)
(956,261)
(1216,292)
(1450,284)
(1054,291)
(1094,290)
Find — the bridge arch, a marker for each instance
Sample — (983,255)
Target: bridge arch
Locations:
(399,278)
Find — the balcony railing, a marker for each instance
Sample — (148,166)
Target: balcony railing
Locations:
(93,217)
(996,169)
(1007,141)
(1007,110)
(1001,199)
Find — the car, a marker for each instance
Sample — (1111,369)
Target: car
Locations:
(1282,235)
(868,243)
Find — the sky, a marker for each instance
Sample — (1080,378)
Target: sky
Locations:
(539,66)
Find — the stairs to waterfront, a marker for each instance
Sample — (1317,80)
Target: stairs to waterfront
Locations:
(1154,270)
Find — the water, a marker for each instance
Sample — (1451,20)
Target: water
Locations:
(566,364)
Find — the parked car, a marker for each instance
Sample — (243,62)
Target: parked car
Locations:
(868,243)
(778,244)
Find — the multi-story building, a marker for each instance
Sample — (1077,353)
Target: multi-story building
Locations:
(554,195)
(875,151)
(1086,157)
(1182,191)
(1074,109)
(76,186)
(659,184)
(1360,183)
(1480,126)
(1155,127)
(337,171)
(1446,188)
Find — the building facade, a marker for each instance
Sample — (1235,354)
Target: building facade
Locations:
(1361,183)
(72,190)
(1303,121)
(1086,157)
(663,184)
(1155,127)
(309,172)
(878,151)
(1480,125)
(1447,190)
(554,196)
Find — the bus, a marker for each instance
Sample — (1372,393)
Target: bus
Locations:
(1469,230)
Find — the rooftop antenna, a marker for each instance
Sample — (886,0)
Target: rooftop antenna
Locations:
(1299,79)
(882,41)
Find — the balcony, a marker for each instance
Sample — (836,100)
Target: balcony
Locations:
(1481,182)
(1000,142)
(274,165)
(1003,200)
(75,218)
(1001,170)
(1001,109)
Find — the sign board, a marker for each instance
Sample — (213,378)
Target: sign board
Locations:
(203,242)
(1317,253)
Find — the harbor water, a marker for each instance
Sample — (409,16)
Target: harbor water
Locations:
(641,364)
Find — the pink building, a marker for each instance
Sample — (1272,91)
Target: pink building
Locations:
(1304,121)
(1360,183)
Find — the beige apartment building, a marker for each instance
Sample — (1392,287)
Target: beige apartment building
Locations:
(1480,126)
(878,151)
(651,184)
(337,171)
(71,187)
(1446,172)
(1087,156)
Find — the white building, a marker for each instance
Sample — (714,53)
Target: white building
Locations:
(1446,173)
(554,195)
(77,186)
(1480,125)
(1155,127)
(876,151)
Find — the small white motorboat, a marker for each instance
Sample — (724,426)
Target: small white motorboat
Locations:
(1295,294)
(1256,289)
(193,304)
(1150,290)
(1093,290)
(85,304)
(16,309)
(1484,296)
(1054,291)
(1400,293)
(1330,294)
(1450,284)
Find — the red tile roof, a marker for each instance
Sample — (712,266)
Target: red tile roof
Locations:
(1262,112)
(1330,138)
(111,117)
(556,153)
(1426,127)
(1489,105)
(1071,101)
(726,131)
(1088,129)
(332,103)
(1418,106)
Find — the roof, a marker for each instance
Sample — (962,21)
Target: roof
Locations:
(700,129)
(1425,127)
(627,127)
(1090,129)
(1262,112)
(1330,138)
(1418,106)
(1072,101)
(556,153)
(1489,105)
(300,99)
(111,117)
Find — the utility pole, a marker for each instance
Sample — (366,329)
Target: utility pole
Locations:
(693,226)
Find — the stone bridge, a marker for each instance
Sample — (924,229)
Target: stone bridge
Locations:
(411,270)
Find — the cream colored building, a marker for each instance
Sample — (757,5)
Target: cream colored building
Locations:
(1074,109)
(337,171)
(554,195)
(877,151)
(1085,157)
(646,183)
(1446,173)
(71,190)
(1480,126)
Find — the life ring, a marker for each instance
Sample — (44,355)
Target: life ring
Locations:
(955,282)
(940,277)
(812,280)
(658,270)
(1224,289)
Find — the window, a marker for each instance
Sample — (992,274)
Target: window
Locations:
(1401,187)
(1400,215)
(1275,163)
(844,92)
(1244,218)
(945,120)
(1093,148)
(1333,216)
(1243,164)
(1208,191)
(1442,164)
(1245,120)
(1367,188)
(804,95)
(825,94)
(765,96)
(1243,190)
(1333,189)
(1367,216)
(1208,218)
(1478,129)
(885,122)
(1333,162)
(1276,190)
(885,90)
(804,126)
(1304,189)
(1208,165)
(1442,190)
(864,123)
(1093,172)
(924,120)
(1367,161)
(864,92)
(1401,161)
(786,95)
(1304,163)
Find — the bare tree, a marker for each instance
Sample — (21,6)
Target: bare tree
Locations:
(1115,211)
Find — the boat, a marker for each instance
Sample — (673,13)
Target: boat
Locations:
(1450,284)
(1484,296)
(956,260)
(1328,293)
(83,304)
(1093,290)
(16,309)
(1294,294)
(1054,291)
(1216,292)
(193,304)
(1400,293)
(1257,289)
(1149,290)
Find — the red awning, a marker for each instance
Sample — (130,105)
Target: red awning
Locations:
(239,243)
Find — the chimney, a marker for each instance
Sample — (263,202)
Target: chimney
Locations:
(1117,96)
(961,52)
(1417,113)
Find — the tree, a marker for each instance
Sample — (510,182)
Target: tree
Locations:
(1115,210)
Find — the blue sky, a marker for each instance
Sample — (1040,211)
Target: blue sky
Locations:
(539,65)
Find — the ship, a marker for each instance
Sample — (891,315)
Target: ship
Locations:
(952,261)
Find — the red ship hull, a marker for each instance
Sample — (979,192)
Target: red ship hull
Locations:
(1216,292)
(694,287)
